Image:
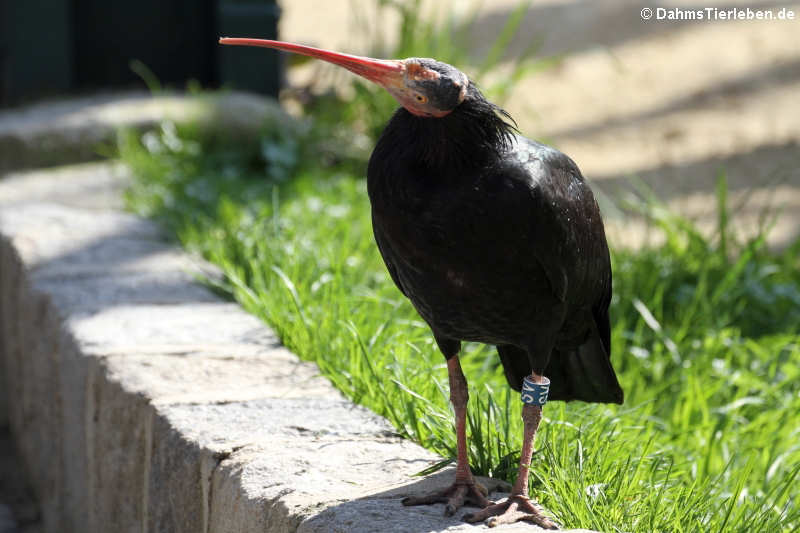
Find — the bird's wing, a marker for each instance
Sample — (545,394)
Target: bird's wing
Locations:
(568,243)
(566,235)
(600,314)
(387,254)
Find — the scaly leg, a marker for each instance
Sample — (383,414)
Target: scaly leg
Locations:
(518,507)
(464,490)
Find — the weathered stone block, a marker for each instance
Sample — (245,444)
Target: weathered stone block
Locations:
(36,419)
(118,434)
(61,132)
(73,371)
(178,477)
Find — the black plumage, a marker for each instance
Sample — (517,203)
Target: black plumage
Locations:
(497,239)
(494,238)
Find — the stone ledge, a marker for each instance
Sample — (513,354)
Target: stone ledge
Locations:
(71,131)
(142,402)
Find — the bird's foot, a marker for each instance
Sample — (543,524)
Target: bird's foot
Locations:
(515,508)
(454,497)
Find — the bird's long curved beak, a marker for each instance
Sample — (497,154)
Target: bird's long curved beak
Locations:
(385,72)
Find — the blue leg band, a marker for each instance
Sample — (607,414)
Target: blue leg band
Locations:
(535,393)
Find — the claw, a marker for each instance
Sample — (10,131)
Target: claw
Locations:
(514,509)
(455,501)
(454,497)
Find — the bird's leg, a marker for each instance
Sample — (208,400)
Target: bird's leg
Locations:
(518,507)
(464,490)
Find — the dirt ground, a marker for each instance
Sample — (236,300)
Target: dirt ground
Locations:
(670,102)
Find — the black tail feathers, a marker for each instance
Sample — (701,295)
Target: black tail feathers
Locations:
(584,373)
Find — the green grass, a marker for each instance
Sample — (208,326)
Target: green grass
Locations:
(705,329)
(705,339)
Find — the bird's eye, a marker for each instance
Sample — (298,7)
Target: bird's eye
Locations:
(420,98)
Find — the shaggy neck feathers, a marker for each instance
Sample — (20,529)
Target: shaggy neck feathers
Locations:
(472,135)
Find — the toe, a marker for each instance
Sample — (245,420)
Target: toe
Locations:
(515,509)
(538,519)
(456,501)
(481,489)
(476,495)
(486,512)
(509,517)
(423,500)
(531,512)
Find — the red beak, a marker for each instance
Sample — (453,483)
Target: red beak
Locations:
(385,72)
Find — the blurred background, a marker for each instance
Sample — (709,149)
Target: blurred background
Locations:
(671,102)
(53,47)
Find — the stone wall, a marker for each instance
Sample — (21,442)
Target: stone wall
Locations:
(141,402)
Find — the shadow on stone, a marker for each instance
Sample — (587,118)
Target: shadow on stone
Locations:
(373,512)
